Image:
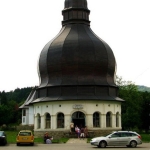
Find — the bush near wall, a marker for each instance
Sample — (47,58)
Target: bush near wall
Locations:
(25,127)
(8,127)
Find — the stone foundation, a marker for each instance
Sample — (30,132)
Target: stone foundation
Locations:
(57,134)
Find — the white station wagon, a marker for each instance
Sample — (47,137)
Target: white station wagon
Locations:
(118,138)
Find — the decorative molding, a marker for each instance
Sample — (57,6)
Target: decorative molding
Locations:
(77,106)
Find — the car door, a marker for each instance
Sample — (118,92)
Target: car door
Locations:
(124,138)
(113,140)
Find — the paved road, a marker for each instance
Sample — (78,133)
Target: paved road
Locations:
(70,146)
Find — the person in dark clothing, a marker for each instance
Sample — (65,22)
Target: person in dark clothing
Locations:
(47,139)
(46,136)
(85,132)
(82,133)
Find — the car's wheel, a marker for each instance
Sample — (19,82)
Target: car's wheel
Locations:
(17,144)
(133,144)
(102,144)
(32,144)
(4,143)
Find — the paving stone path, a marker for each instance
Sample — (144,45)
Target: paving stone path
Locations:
(76,140)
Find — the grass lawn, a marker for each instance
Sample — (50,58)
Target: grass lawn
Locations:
(11,138)
(145,138)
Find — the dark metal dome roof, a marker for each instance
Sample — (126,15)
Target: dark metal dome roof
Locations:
(77,64)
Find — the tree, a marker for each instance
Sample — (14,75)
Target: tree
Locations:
(145,114)
(131,108)
(9,106)
(5,115)
(3,98)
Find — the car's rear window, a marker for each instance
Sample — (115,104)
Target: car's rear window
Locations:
(133,134)
(1,133)
(24,133)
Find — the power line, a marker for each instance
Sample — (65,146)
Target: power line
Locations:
(142,73)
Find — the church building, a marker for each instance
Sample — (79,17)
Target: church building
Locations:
(77,71)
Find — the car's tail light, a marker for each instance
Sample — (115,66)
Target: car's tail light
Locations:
(17,137)
(32,138)
(139,137)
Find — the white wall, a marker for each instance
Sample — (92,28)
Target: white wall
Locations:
(25,119)
(88,108)
(31,115)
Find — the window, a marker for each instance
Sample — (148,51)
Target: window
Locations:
(23,120)
(108,119)
(115,135)
(1,133)
(60,120)
(96,119)
(38,121)
(24,133)
(24,112)
(78,115)
(48,121)
(124,134)
(117,119)
(132,134)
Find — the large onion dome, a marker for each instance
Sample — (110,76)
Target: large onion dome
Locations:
(76,64)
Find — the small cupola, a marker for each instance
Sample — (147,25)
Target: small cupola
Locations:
(76,11)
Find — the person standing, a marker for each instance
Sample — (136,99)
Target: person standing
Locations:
(82,133)
(85,132)
(76,128)
(71,127)
(77,131)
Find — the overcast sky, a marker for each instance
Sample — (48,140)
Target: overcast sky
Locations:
(26,26)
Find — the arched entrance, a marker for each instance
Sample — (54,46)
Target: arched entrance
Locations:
(78,118)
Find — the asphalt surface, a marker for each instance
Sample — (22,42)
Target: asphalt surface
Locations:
(70,146)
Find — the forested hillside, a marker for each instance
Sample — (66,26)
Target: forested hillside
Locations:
(18,95)
(143,88)
(9,105)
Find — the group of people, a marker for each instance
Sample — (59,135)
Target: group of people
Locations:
(47,139)
(81,132)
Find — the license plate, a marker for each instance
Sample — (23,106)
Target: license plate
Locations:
(24,138)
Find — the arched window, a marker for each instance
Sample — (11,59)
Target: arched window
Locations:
(38,121)
(48,121)
(60,120)
(117,119)
(96,119)
(108,119)
(78,118)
